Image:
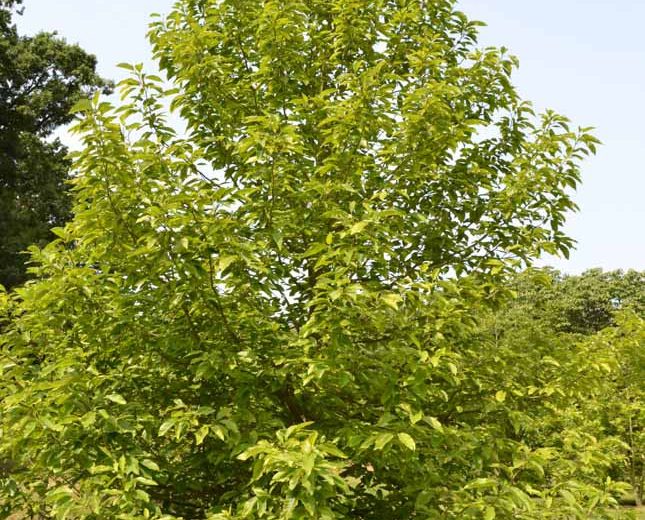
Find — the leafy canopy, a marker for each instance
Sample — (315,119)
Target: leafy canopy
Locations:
(271,316)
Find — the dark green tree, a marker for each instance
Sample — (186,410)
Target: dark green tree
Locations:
(41,77)
(580,304)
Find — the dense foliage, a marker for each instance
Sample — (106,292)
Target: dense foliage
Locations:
(41,77)
(582,304)
(289,311)
(575,346)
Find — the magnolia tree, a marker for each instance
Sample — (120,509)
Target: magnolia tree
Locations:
(267,315)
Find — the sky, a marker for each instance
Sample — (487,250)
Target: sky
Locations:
(582,58)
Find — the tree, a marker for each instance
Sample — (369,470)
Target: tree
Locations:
(273,317)
(582,304)
(41,77)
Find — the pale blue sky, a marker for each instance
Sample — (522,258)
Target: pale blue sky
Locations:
(583,58)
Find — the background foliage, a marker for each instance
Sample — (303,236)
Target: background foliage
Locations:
(41,77)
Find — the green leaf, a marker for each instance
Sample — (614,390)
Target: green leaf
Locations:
(146,481)
(201,434)
(392,300)
(82,105)
(382,440)
(219,432)
(314,249)
(331,449)
(225,261)
(116,398)
(358,227)
(165,427)
(407,441)
(435,423)
(150,464)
